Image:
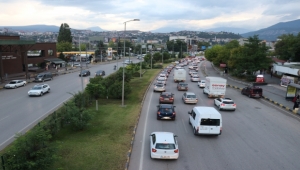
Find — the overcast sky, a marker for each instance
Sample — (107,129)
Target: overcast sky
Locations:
(153,14)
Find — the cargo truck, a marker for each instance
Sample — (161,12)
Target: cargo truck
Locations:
(179,75)
(215,87)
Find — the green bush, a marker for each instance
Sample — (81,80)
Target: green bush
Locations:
(78,118)
(31,151)
(136,74)
(250,77)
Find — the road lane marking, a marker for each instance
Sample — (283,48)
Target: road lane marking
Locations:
(144,135)
(4,118)
(184,126)
(10,138)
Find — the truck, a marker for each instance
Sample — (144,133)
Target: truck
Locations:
(215,87)
(179,75)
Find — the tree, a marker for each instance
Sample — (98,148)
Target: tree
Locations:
(288,47)
(63,46)
(64,34)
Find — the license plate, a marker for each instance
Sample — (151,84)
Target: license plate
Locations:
(166,98)
(182,87)
(166,118)
(165,156)
(257,95)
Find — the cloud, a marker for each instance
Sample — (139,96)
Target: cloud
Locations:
(154,14)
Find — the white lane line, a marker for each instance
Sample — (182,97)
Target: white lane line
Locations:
(4,118)
(184,126)
(144,135)
(30,124)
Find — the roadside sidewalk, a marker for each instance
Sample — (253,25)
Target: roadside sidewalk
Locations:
(272,92)
(60,71)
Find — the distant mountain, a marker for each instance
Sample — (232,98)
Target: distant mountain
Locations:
(167,29)
(271,33)
(229,29)
(95,29)
(31,28)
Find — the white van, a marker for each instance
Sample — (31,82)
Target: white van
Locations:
(205,121)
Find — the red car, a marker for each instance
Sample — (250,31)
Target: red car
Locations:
(166,97)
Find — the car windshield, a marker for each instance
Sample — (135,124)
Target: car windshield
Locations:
(39,75)
(12,82)
(183,85)
(165,146)
(159,85)
(191,96)
(36,88)
(166,110)
(257,90)
(228,102)
(210,122)
(166,95)
(202,81)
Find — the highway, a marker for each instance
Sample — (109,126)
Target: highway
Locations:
(19,112)
(258,135)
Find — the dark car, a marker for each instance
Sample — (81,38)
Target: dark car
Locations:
(43,77)
(166,97)
(100,73)
(166,111)
(252,91)
(182,86)
(84,73)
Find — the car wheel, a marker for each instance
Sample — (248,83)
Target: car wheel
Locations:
(220,108)
(15,87)
(43,80)
(233,110)
(194,131)
(41,94)
(48,90)
(24,84)
(242,93)
(189,121)
(249,96)
(203,92)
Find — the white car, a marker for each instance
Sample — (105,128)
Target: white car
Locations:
(162,76)
(194,74)
(15,84)
(127,62)
(195,78)
(76,65)
(189,97)
(225,104)
(159,87)
(163,145)
(162,79)
(39,90)
(201,83)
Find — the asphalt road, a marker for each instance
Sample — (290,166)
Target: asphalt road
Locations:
(19,112)
(258,135)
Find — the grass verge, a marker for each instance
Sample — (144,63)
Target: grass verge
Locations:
(105,143)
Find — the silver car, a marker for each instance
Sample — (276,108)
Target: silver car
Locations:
(225,104)
(201,83)
(195,78)
(189,97)
(159,87)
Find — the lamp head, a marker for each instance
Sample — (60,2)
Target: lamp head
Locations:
(136,19)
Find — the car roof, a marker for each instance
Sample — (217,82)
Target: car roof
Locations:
(190,93)
(182,83)
(164,137)
(226,99)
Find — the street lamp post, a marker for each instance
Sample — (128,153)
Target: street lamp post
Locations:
(80,66)
(124,58)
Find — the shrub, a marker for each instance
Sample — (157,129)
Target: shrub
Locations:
(31,151)
(157,66)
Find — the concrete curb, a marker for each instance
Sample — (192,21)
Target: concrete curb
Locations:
(265,98)
(136,124)
(269,100)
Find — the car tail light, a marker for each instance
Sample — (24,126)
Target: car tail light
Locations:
(161,98)
(158,113)
(171,98)
(196,99)
(176,151)
(197,129)
(234,105)
(222,104)
(154,150)
(174,113)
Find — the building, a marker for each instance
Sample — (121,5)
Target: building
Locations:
(18,56)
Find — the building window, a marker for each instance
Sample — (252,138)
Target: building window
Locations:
(35,53)
(50,52)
